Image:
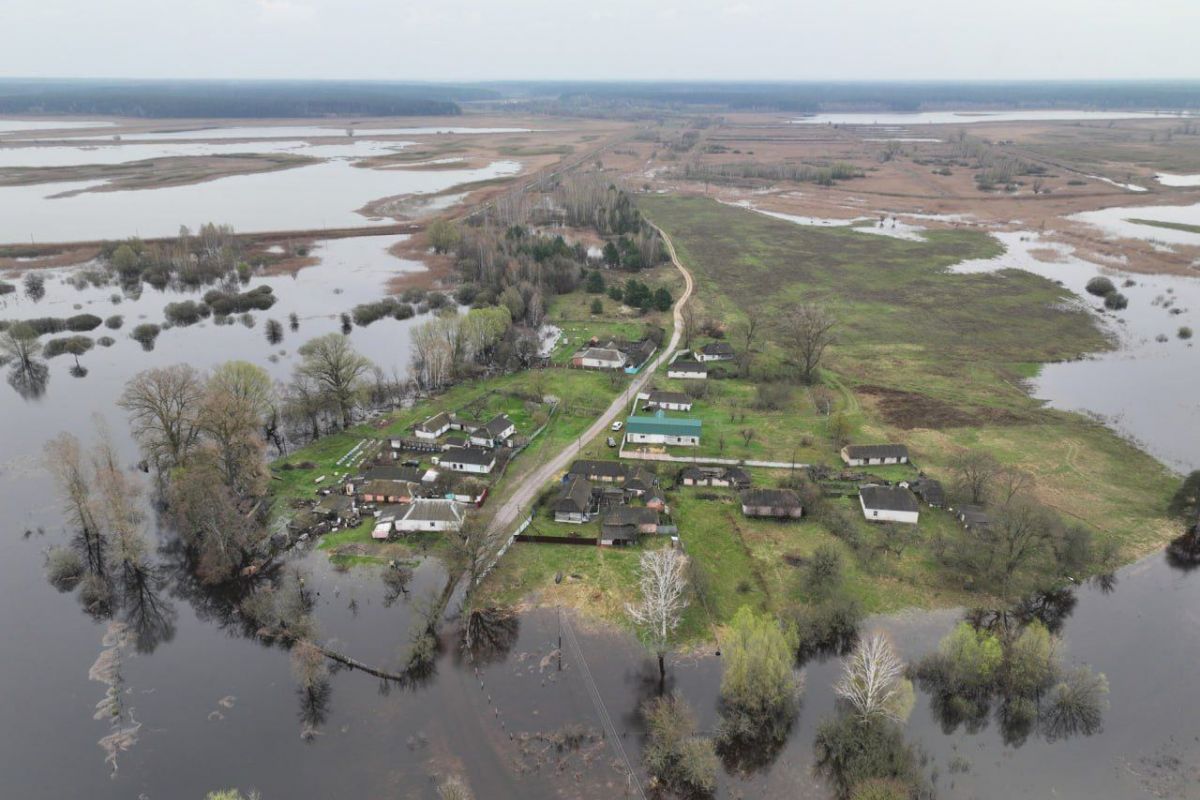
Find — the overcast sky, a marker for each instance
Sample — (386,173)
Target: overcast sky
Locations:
(602,39)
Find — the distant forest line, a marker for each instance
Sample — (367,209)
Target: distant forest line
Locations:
(249,99)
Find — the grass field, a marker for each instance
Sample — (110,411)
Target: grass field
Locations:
(1175,226)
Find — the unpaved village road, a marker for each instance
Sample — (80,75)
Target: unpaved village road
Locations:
(523,495)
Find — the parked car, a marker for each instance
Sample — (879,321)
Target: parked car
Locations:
(612,442)
(616,426)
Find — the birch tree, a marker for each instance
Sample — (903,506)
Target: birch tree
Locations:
(662,576)
(873,681)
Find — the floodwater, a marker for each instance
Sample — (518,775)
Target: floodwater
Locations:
(322,195)
(1167,179)
(968,117)
(1116,222)
(62,155)
(259,131)
(23,126)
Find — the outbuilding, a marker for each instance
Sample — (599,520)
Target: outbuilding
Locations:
(433,427)
(669,401)
(714,351)
(870,455)
(888,504)
(495,433)
(599,358)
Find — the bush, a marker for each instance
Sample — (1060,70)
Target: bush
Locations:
(106,341)
(772,396)
(185,313)
(1115,301)
(145,334)
(114,322)
(1185,332)
(828,627)
(1100,286)
(466,294)
(366,313)
(64,567)
(852,751)
(6,288)
(225,303)
(81,323)
(74,345)
(675,755)
(597,306)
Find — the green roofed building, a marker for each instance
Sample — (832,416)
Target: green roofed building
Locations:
(663,430)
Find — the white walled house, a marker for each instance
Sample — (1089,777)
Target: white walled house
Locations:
(468,459)
(714,351)
(496,432)
(663,430)
(687,370)
(599,358)
(430,515)
(669,401)
(888,504)
(433,427)
(869,455)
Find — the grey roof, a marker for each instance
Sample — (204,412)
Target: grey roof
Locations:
(639,479)
(607,469)
(774,498)
(469,455)
(433,511)
(576,496)
(336,503)
(434,423)
(888,498)
(658,397)
(929,490)
(688,366)
(601,354)
(876,451)
(974,515)
(498,425)
(717,349)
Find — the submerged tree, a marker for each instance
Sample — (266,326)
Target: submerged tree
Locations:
(675,755)
(164,410)
(662,576)
(19,346)
(760,689)
(873,681)
(331,362)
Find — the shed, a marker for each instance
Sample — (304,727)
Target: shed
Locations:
(774,503)
(687,370)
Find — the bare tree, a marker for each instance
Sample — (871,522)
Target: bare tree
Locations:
(873,681)
(687,315)
(974,472)
(472,546)
(64,459)
(332,362)
(839,429)
(745,334)
(807,331)
(164,407)
(747,435)
(1011,483)
(662,576)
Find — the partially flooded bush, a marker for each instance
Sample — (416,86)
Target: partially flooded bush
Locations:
(187,312)
(114,322)
(1116,301)
(83,322)
(6,288)
(259,298)
(64,567)
(72,345)
(1100,286)
(106,341)
(1185,332)
(145,334)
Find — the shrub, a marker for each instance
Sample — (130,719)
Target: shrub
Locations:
(114,322)
(772,396)
(675,755)
(1115,301)
(64,567)
(225,303)
(828,627)
(852,751)
(74,345)
(6,288)
(1185,332)
(597,306)
(106,341)
(465,294)
(186,313)
(145,334)
(404,311)
(1100,286)
(81,323)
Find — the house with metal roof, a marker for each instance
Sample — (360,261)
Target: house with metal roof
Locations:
(431,515)
(575,502)
(663,430)
(714,351)
(433,427)
(599,358)
(687,370)
(888,504)
(870,455)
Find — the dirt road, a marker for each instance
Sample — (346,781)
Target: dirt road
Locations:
(523,495)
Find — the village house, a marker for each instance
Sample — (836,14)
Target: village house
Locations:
(635,353)
(412,444)
(771,503)
(464,422)
(638,481)
(656,500)
(928,490)
(714,351)
(385,521)
(736,477)
(622,525)
(430,515)
(687,370)
(455,440)
(468,459)
(433,427)
(388,472)
(603,471)
(668,401)
(495,433)
(888,504)
(599,358)
(663,430)
(870,455)
(575,503)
